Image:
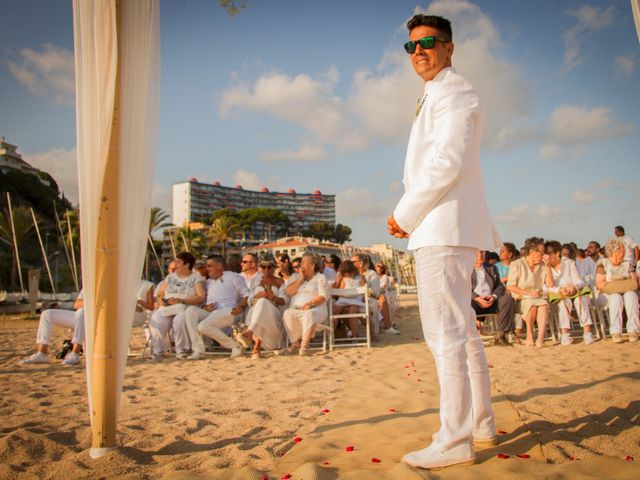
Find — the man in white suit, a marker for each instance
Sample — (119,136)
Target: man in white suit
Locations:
(444,214)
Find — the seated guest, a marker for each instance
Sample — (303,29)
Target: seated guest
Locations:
(363,263)
(286,271)
(346,278)
(226,298)
(383,299)
(618,287)
(491,258)
(250,273)
(308,291)
(280,261)
(527,279)
(585,265)
(295,265)
(569,251)
(201,268)
(567,284)
(489,296)
(593,251)
(179,290)
(331,265)
(508,253)
(264,318)
(144,303)
(65,319)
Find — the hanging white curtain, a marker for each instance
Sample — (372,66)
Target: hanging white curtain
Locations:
(97,35)
(635,7)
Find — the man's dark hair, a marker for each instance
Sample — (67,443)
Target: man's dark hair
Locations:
(439,23)
(187,258)
(552,246)
(596,243)
(620,228)
(217,258)
(488,256)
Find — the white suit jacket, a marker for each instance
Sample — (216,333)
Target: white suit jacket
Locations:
(444,203)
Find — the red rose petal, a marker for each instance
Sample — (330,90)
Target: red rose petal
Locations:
(375,460)
(392,409)
(421,391)
(524,455)
(286,476)
(571,458)
(629,458)
(490,366)
(325,463)
(501,432)
(503,455)
(406,366)
(325,410)
(408,374)
(349,448)
(264,477)
(419,380)
(297,439)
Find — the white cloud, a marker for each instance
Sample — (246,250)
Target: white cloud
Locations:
(306,153)
(584,196)
(517,214)
(49,73)
(624,64)
(395,186)
(248,180)
(61,164)
(362,203)
(589,19)
(381,102)
(572,124)
(548,151)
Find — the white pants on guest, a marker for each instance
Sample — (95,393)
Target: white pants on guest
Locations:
(159,326)
(616,303)
(297,322)
(200,322)
(582,307)
(62,318)
(444,295)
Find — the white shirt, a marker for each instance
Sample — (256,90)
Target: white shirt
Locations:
(613,272)
(629,245)
(317,286)
(565,275)
(226,291)
(252,282)
(143,288)
(482,285)
(181,287)
(586,267)
(373,282)
(330,273)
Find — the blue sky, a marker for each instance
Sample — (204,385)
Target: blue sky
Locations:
(320,95)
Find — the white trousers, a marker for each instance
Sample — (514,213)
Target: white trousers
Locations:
(616,303)
(582,308)
(297,322)
(200,322)
(62,318)
(448,321)
(159,326)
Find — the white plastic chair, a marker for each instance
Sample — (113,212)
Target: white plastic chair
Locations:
(356,340)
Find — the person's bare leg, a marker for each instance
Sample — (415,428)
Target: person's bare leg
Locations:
(306,337)
(541,318)
(384,309)
(531,315)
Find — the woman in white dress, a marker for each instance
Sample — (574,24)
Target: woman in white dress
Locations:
(609,271)
(309,292)
(180,289)
(264,318)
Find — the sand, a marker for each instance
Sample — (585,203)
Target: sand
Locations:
(570,412)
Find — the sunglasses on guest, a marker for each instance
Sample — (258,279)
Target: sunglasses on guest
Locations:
(266,265)
(427,43)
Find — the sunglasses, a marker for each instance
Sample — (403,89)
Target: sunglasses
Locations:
(426,43)
(266,266)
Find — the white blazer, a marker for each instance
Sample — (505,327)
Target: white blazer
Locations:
(444,203)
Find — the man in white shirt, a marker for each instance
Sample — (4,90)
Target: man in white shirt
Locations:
(444,214)
(226,299)
(631,251)
(250,273)
(593,251)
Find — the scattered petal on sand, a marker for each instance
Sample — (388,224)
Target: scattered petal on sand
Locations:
(286,476)
(392,410)
(490,366)
(264,477)
(503,455)
(375,460)
(629,458)
(501,432)
(349,448)
(326,463)
(571,458)
(326,410)
(524,455)
(297,439)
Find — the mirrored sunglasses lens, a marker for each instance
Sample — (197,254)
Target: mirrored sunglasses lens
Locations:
(410,47)
(427,42)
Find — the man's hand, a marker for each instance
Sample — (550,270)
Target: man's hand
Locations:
(237,310)
(394,228)
(484,302)
(210,307)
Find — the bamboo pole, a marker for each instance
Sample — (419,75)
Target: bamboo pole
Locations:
(155,254)
(184,241)
(173,245)
(73,253)
(104,368)
(44,253)
(15,243)
(64,245)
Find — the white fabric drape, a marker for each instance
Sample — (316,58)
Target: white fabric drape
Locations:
(96,62)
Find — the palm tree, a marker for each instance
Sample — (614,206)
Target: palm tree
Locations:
(222,230)
(24,229)
(158,220)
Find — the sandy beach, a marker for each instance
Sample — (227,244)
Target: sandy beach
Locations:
(562,412)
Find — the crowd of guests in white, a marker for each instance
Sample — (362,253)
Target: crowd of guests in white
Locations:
(548,278)
(268,305)
(280,304)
